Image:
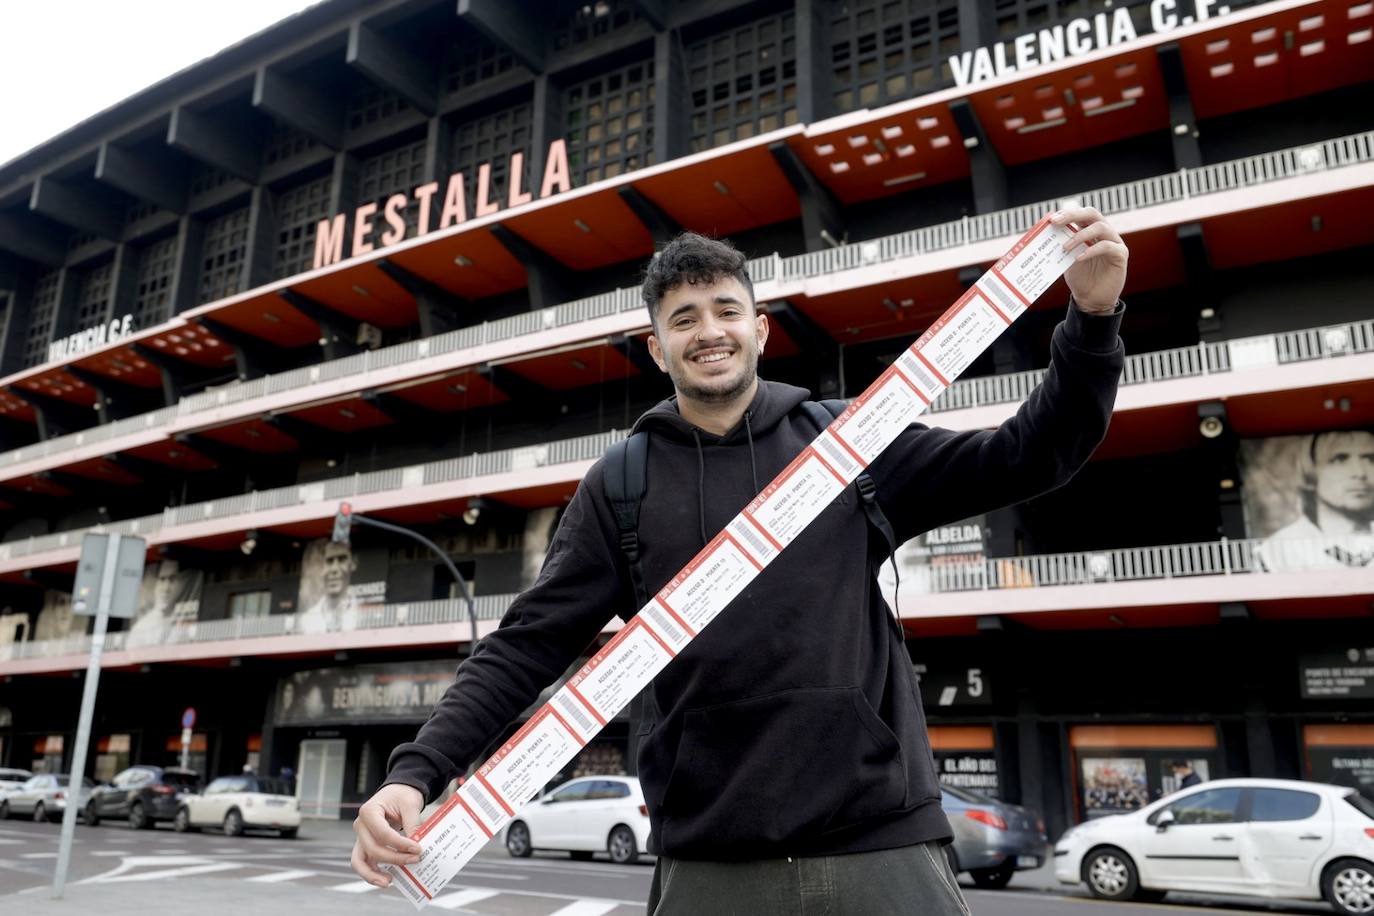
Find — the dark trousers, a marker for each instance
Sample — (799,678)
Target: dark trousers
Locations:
(909,881)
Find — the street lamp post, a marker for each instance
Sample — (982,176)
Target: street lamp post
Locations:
(345,518)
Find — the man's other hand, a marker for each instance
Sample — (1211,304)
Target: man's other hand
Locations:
(380,827)
(1099,273)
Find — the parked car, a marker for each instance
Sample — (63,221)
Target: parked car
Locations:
(12,779)
(142,794)
(992,839)
(239,803)
(585,816)
(1256,837)
(42,797)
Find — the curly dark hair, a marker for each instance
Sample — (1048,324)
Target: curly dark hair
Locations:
(692,259)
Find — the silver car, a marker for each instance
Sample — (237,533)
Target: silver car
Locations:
(992,839)
(42,797)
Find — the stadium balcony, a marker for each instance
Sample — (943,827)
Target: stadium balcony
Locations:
(1158,586)
(854,292)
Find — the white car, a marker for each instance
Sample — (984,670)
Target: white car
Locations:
(239,803)
(585,816)
(1254,837)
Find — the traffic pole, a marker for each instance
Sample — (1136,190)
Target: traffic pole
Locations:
(83,725)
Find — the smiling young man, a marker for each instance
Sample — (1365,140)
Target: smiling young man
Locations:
(784,756)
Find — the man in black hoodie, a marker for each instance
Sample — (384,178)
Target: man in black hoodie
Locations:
(788,765)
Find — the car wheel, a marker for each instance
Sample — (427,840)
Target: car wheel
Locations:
(233,823)
(40,814)
(993,879)
(581,855)
(1348,885)
(287,833)
(1110,874)
(518,840)
(89,816)
(4,810)
(182,822)
(138,818)
(622,846)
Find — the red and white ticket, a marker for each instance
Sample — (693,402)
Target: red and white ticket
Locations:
(726,566)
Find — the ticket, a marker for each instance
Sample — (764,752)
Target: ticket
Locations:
(726,566)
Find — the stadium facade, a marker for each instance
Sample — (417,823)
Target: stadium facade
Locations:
(386,253)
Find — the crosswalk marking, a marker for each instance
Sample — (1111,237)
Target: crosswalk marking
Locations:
(171,872)
(275,876)
(461,898)
(587,908)
(353,887)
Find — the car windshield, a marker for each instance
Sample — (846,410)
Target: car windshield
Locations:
(1361,804)
(181,780)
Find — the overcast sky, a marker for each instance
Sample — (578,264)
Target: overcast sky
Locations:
(62,61)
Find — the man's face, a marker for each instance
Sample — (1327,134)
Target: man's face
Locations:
(338,568)
(165,583)
(1345,471)
(708,339)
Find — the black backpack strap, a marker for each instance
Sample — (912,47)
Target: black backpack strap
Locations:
(626,478)
(821,414)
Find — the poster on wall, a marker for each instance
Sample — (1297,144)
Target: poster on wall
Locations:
(1343,766)
(329,600)
(948,552)
(56,620)
(365,693)
(975,771)
(168,600)
(1113,785)
(1311,499)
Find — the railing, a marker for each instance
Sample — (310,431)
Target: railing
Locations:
(581,448)
(412,613)
(1183,362)
(1130,564)
(1225,176)
(1135,195)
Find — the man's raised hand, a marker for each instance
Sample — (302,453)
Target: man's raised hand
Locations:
(1099,273)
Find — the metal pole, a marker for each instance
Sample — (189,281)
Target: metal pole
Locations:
(83,725)
(453,570)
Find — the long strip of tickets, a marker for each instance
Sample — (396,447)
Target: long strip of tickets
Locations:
(695,596)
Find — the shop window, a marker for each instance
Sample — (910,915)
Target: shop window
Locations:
(1341,754)
(609,123)
(882,52)
(1122,768)
(395,171)
(153,295)
(195,759)
(47,754)
(490,138)
(42,312)
(299,211)
(247,605)
(743,82)
(966,758)
(111,756)
(223,256)
(93,295)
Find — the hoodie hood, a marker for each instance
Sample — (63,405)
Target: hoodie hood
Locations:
(772,402)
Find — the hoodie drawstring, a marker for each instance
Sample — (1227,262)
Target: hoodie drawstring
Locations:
(701,486)
(701,473)
(753,465)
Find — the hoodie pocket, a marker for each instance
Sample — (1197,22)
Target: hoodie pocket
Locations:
(769,769)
